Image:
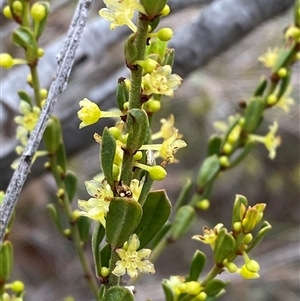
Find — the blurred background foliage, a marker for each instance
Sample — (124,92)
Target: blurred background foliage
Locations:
(47,263)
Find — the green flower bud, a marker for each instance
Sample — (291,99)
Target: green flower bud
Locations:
(17,286)
(165,34)
(166,10)
(231,267)
(227,148)
(203,204)
(138,156)
(38,12)
(104,271)
(224,161)
(248,238)
(7,12)
(193,288)
(157,173)
(152,106)
(252,266)
(271,99)
(17,7)
(282,72)
(237,226)
(40,52)
(202,296)
(6,60)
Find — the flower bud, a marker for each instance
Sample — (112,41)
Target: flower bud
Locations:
(17,286)
(224,161)
(7,12)
(248,238)
(152,106)
(165,34)
(17,7)
(166,10)
(38,12)
(40,52)
(104,271)
(203,204)
(227,148)
(193,288)
(157,173)
(271,99)
(231,267)
(6,60)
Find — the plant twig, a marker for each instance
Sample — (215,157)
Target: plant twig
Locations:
(59,84)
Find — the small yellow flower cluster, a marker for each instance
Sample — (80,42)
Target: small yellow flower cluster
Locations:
(133,261)
(270,141)
(120,13)
(210,235)
(96,207)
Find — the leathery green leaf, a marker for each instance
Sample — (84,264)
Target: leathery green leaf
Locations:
(107,155)
(224,245)
(156,211)
(138,131)
(214,286)
(122,219)
(183,219)
(118,293)
(197,265)
(208,170)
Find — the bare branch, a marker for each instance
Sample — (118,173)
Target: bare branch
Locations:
(59,84)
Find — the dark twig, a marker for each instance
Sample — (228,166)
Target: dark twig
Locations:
(59,84)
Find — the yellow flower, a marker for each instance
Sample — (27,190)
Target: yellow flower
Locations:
(96,207)
(286,101)
(269,58)
(161,81)
(166,130)
(209,236)
(90,113)
(270,141)
(250,269)
(168,148)
(252,217)
(120,12)
(132,260)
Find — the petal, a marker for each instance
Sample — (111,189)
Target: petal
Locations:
(119,270)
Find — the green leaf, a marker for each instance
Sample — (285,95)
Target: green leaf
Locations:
(214,286)
(183,196)
(52,135)
(208,171)
(55,218)
(261,88)
(118,293)
(168,291)
(214,145)
(265,228)
(61,157)
(156,212)
(224,245)
(71,184)
(24,38)
(97,237)
(138,125)
(197,265)
(105,256)
(183,219)
(24,96)
(6,261)
(107,155)
(254,114)
(122,94)
(123,217)
(84,228)
(239,201)
(161,234)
